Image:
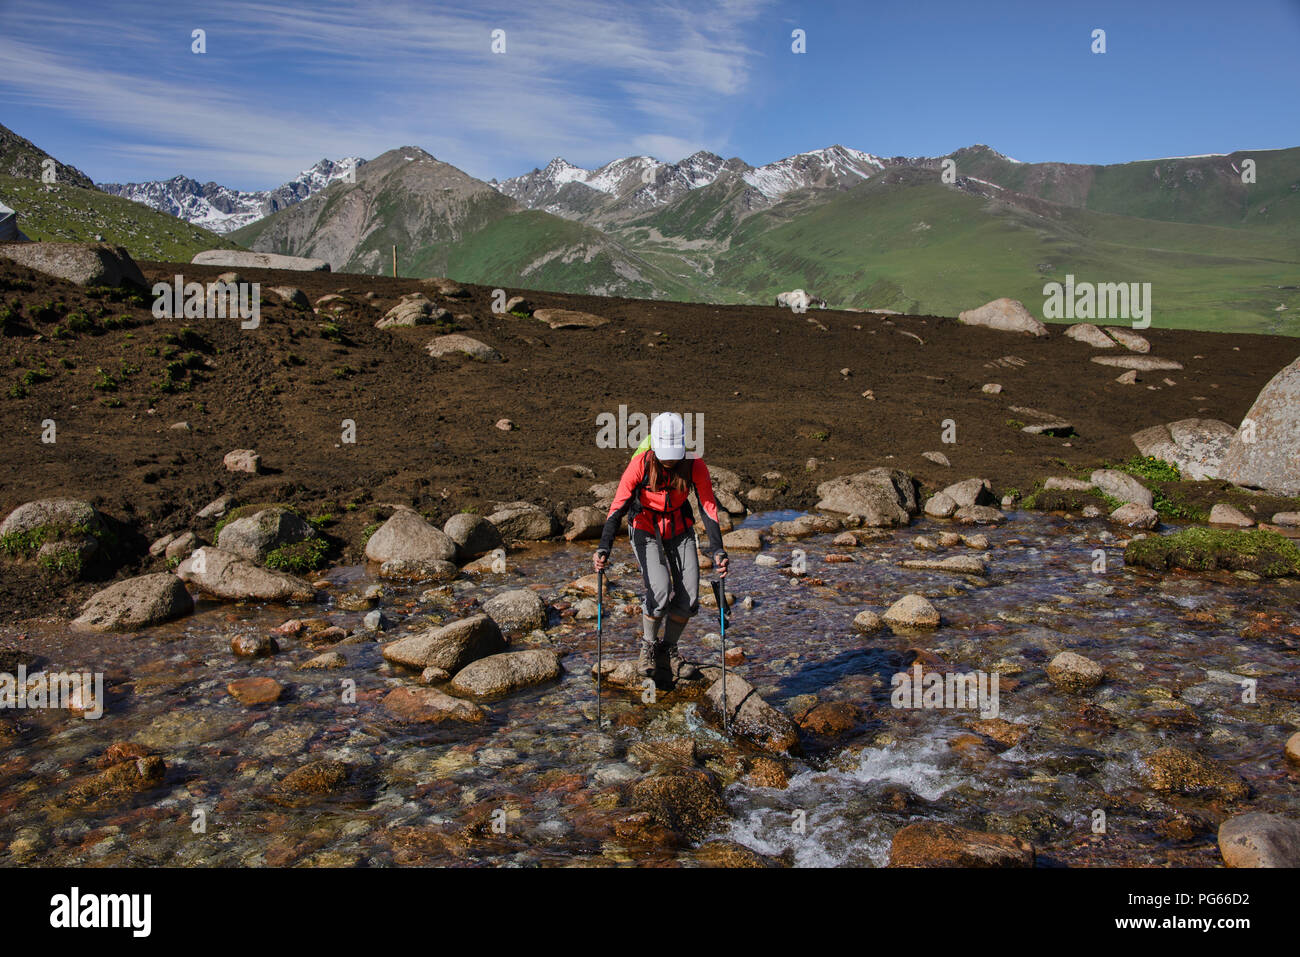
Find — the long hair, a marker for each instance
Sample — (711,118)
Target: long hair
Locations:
(659,477)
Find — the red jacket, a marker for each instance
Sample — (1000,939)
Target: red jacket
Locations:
(663,507)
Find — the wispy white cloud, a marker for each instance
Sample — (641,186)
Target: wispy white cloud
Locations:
(284,84)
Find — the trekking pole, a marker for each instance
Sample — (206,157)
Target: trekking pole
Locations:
(720,593)
(600,636)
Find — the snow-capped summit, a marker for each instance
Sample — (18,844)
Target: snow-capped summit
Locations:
(222,209)
(830,167)
(635,184)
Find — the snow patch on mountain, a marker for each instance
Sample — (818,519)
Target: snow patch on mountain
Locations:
(646,182)
(224,210)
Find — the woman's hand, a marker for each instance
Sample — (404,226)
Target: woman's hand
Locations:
(720,564)
(599,561)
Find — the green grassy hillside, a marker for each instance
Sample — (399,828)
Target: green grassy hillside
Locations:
(926,247)
(75,214)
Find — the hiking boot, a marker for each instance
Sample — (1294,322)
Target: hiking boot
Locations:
(662,664)
(682,669)
(645,660)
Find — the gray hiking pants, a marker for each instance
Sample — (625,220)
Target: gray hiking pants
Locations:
(683,582)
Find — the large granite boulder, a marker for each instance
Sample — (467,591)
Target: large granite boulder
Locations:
(1272,460)
(86,264)
(241,259)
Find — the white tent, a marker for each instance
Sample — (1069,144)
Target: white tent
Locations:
(8,224)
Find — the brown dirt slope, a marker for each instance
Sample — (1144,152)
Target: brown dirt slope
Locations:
(768,383)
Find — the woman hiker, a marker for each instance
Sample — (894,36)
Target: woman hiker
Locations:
(655,487)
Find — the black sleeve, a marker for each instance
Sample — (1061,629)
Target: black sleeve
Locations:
(627,492)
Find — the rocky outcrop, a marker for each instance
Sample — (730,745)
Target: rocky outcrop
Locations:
(62,533)
(910,612)
(1093,336)
(1139,363)
(430,706)
(1074,673)
(1271,459)
(1177,771)
(414,310)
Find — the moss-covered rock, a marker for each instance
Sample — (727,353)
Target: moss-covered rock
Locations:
(1264,553)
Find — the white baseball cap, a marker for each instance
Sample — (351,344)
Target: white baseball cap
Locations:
(668,437)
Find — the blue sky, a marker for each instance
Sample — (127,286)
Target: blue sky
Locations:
(114,89)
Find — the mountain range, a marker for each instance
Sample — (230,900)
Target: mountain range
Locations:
(914,234)
(1217,236)
(224,210)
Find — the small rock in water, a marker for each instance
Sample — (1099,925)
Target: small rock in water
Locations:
(253,645)
(327,661)
(505,425)
(1293,748)
(1260,840)
(938,458)
(934,844)
(992,388)
(911,611)
(429,705)
(1074,673)
(1178,771)
(866,621)
(254,691)
(376,621)
(1135,515)
(766,561)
